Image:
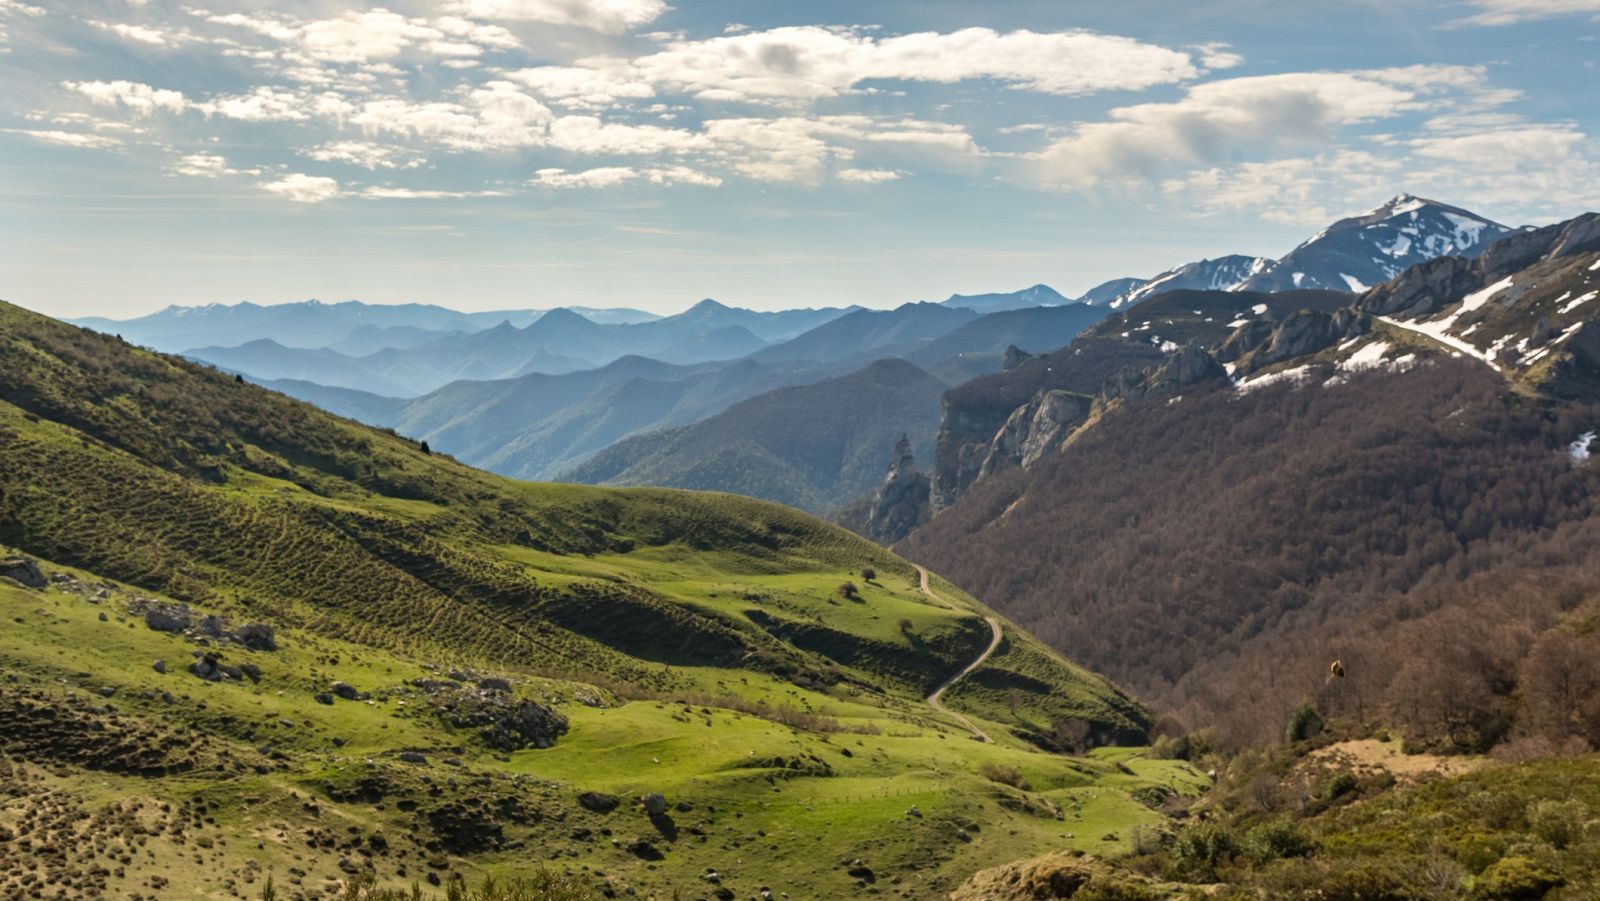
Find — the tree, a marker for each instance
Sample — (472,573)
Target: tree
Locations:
(869,574)
(424,448)
(1560,686)
(850,592)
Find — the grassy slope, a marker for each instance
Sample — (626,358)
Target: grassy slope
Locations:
(375,561)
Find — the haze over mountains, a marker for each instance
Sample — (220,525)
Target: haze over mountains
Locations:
(537,394)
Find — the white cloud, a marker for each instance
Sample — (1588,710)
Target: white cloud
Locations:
(806,63)
(204,165)
(262,104)
(302,188)
(496,116)
(600,15)
(1296,190)
(69,138)
(612,176)
(867,176)
(378,192)
(142,99)
(373,36)
(1218,120)
(365,154)
(1510,12)
(603,177)
(1217,55)
(588,135)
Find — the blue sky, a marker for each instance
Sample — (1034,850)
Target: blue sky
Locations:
(488,154)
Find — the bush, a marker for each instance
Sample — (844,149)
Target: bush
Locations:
(849,591)
(543,885)
(1199,850)
(1275,841)
(1516,878)
(1558,822)
(1304,723)
(868,574)
(1340,785)
(1005,775)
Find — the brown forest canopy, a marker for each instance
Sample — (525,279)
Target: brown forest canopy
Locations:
(1216,552)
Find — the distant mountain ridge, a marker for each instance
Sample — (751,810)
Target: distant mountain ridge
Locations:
(1350,255)
(811,446)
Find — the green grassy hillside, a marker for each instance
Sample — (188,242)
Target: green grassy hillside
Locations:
(695,645)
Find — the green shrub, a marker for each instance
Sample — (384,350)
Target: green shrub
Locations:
(1276,840)
(1558,822)
(1114,889)
(543,885)
(1340,785)
(1199,850)
(1304,723)
(1515,878)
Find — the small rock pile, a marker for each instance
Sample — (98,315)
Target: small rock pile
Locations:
(505,721)
(180,619)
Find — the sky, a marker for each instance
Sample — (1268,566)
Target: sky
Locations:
(494,154)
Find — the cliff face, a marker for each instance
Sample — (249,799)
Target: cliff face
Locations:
(899,504)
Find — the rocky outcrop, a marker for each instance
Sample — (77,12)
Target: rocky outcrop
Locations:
(24,571)
(1304,333)
(1034,429)
(1424,289)
(900,504)
(1014,357)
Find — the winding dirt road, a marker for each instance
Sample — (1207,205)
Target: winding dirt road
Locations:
(994,642)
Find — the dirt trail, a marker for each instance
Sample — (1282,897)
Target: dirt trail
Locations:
(994,642)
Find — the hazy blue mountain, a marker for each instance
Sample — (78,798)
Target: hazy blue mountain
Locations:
(1036,296)
(812,446)
(877,332)
(1035,329)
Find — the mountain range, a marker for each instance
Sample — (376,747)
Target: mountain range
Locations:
(1331,472)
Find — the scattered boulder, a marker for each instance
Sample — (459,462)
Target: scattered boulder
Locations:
(24,571)
(654,804)
(506,722)
(494,684)
(257,637)
(412,757)
(323,697)
(599,802)
(160,666)
(347,691)
(645,850)
(173,618)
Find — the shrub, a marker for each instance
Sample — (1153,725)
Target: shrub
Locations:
(1304,723)
(906,626)
(1199,850)
(543,885)
(1275,841)
(1558,822)
(869,574)
(1340,785)
(1516,878)
(1005,775)
(849,591)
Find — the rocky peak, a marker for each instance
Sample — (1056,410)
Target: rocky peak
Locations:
(900,503)
(1014,357)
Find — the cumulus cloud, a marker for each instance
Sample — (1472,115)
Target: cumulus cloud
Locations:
(599,15)
(141,99)
(807,63)
(372,36)
(1510,12)
(302,188)
(1219,119)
